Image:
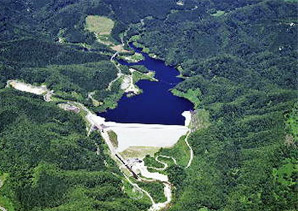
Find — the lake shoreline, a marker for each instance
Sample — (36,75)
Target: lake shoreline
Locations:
(156,104)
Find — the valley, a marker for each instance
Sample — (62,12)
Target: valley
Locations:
(148,105)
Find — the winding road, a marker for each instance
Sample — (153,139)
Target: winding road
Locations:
(95,120)
(165,165)
(169,157)
(156,177)
(191,151)
(119,74)
(2,208)
(139,189)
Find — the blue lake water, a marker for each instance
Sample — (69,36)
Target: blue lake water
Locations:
(156,105)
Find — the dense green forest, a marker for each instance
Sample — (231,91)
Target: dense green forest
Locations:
(51,162)
(244,64)
(240,54)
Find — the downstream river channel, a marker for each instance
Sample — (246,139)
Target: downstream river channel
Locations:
(156,105)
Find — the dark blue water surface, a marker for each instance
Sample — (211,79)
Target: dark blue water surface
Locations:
(156,105)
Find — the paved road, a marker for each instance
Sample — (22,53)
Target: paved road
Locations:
(191,151)
(119,74)
(2,208)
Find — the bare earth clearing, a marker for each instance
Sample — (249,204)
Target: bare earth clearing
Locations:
(129,135)
(38,90)
(135,141)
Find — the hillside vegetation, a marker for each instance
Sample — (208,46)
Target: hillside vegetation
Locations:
(239,61)
(243,66)
(51,163)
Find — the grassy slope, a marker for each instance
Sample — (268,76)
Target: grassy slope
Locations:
(99,24)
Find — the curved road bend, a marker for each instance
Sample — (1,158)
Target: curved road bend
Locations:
(2,208)
(191,151)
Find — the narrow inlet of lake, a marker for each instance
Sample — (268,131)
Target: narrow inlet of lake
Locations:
(156,105)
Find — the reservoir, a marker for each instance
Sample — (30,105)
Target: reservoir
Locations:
(156,105)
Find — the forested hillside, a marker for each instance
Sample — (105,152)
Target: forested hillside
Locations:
(47,161)
(50,162)
(239,62)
